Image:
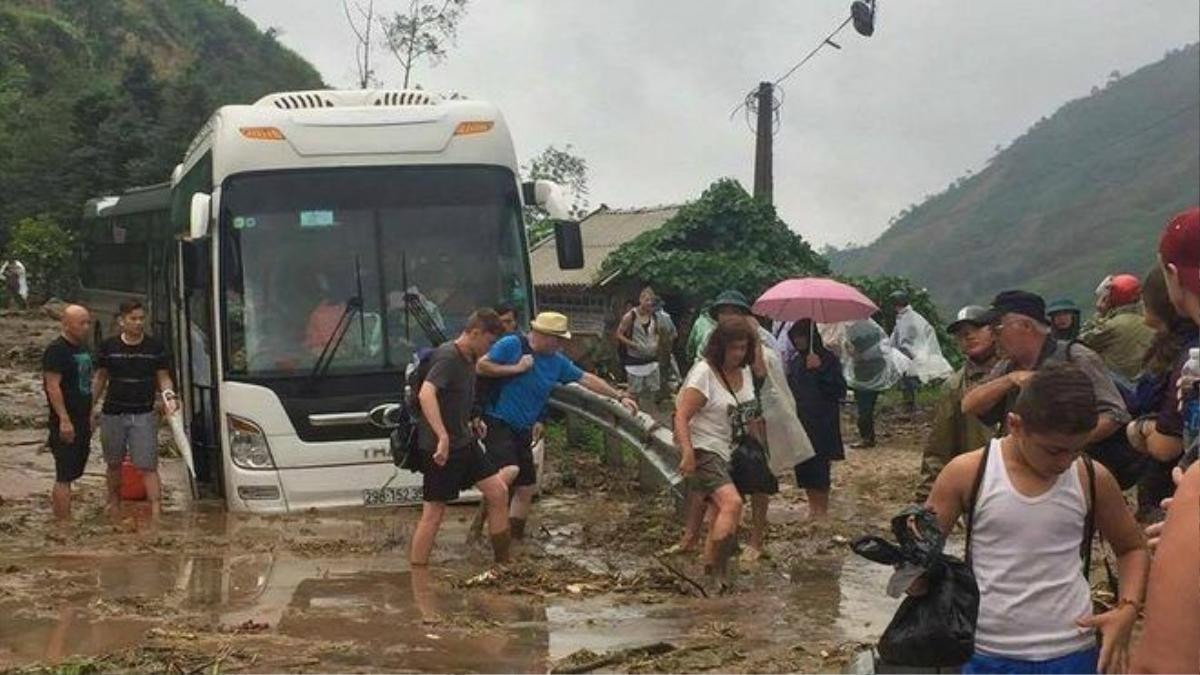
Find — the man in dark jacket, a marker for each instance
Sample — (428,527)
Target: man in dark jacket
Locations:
(953,432)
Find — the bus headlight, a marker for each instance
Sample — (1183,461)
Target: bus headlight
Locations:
(248,445)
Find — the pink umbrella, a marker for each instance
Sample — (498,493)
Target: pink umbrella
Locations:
(822,300)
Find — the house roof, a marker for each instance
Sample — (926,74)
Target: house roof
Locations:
(602,231)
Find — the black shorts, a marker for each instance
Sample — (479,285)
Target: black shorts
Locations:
(507,446)
(814,473)
(71,458)
(465,467)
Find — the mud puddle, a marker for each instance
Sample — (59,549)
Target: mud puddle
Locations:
(374,612)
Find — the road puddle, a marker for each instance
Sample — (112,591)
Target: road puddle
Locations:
(375,612)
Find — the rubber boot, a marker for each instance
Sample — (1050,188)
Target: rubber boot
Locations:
(517,527)
(501,545)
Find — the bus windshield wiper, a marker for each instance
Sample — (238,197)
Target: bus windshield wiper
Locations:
(329,349)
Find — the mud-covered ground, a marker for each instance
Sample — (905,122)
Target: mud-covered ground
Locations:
(204,590)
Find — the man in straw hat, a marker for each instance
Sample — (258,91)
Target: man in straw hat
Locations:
(511,416)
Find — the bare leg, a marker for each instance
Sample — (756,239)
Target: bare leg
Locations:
(758,523)
(507,474)
(818,503)
(721,535)
(496,495)
(693,519)
(426,532)
(153,491)
(518,510)
(112,476)
(60,499)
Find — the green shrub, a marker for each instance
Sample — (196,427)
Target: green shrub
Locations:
(48,252)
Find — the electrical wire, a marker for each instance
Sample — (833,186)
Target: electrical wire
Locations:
(824,41)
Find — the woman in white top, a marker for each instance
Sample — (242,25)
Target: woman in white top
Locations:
(716,406)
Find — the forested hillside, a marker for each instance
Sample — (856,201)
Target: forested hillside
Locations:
(100,95)
(1081,194)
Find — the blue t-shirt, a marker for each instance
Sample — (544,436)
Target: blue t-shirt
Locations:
(523,397)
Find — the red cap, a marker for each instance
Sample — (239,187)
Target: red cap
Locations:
(1124,289)
(1180,246)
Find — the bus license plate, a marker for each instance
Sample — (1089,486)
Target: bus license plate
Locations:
(391,495)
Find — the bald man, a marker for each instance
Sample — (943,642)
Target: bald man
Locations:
(67,378)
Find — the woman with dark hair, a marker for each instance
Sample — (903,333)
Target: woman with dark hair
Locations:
(716,409)
(814,375)
(1154,429)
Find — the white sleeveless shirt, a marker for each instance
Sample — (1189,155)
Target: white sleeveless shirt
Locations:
(1025,555)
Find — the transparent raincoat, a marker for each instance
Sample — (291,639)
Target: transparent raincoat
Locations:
(869,360)
(917,339)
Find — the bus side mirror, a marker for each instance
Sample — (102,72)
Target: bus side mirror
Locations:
(568,243)
(548,195)
(200,214)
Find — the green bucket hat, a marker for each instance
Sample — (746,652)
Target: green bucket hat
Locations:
(730,298)
(1062,306)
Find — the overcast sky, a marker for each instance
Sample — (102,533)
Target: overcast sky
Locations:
(643,88)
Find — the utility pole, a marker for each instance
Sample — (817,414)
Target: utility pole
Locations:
(763,179)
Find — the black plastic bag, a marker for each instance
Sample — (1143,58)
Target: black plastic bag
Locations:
(937,629)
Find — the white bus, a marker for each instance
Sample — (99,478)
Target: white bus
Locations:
(321,239)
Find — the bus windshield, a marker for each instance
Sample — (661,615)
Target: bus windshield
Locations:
(423,245)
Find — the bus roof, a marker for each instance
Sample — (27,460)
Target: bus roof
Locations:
(333,128)
(135,200)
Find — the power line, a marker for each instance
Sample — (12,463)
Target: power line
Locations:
(827,40)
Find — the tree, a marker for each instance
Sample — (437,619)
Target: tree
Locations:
(362,37)
(423,32)
(48,253)
(725,239)
(567,169)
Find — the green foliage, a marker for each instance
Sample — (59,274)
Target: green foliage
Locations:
(48,253)
(1082,194)
(570,172)
(725,239)
(99,95)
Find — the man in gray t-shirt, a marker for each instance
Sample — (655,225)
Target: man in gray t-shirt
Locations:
(452,458)
(1024,335)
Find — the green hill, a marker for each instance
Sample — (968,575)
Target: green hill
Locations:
(1082,194)
(100,95)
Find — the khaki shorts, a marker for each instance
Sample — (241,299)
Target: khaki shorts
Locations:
(712,471)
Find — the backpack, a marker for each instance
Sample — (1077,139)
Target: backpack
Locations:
(406,451)
(623,352)
(487,389)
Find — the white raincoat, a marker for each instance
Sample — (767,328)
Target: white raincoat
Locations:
(787,441)
(869,360)
(916,338)
(18,268)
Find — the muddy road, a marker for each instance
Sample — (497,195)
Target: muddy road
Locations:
(203,589)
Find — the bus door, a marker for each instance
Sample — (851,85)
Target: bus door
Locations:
(193,335)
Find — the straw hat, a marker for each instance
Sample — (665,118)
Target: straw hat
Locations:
(552,323)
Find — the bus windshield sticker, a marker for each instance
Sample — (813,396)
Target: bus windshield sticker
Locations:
(316,219)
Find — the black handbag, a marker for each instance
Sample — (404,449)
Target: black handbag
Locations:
(750,463)
(750,468)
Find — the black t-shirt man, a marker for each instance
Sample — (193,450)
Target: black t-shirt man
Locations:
(132,373)
(454,376)
(74,363)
